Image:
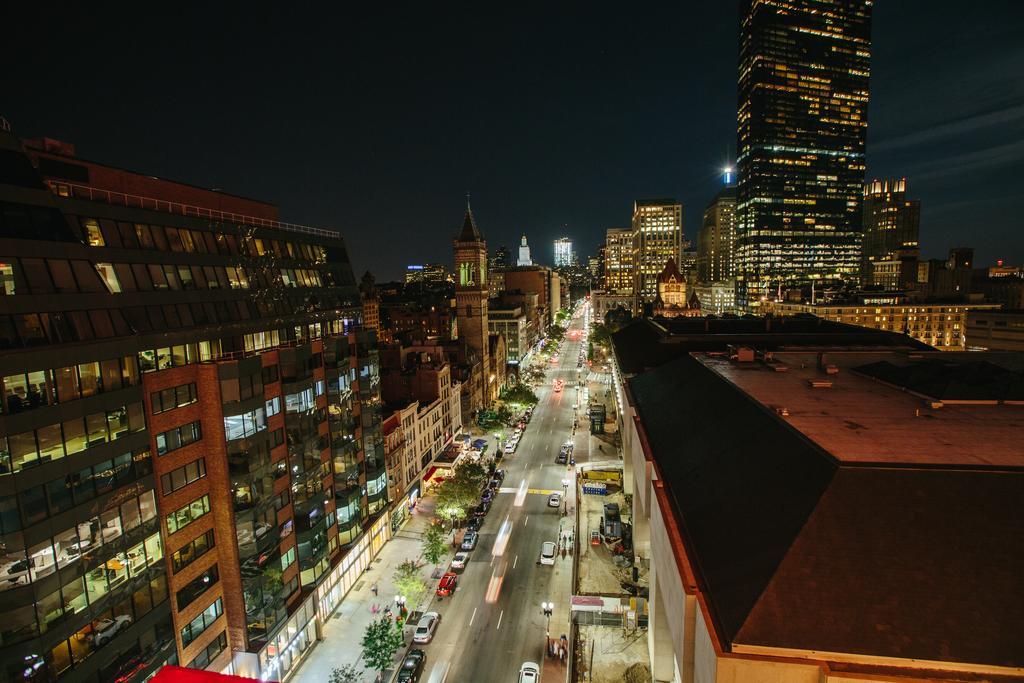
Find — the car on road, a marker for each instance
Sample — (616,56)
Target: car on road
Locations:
(481,509)
(554,500)
(460,560)
(475,523)
(412,666)
(510,448)
(488,495)
(562,458)
(499,474)
(105,629)
(529,672)
(448,583)
(547,552)
(426,627)
(469,540)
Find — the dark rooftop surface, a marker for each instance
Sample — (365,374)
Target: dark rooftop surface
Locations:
(643,344)
(947,380)
(799,547)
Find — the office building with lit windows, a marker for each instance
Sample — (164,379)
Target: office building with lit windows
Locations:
(801,129)
(563,252)
(891,226)
(658,225)
(717,240)
(619,260)
(191,462)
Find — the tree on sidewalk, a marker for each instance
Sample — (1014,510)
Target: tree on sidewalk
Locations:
(349,673)
(381,641)
(434,543)
(409,584)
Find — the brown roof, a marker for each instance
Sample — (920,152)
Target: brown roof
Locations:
(796,544)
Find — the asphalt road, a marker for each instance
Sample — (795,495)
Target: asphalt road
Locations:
(494,622)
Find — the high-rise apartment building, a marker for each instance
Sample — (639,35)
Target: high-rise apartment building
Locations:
(891,225)
(428,273)
(563,252)
(658,225)
(717,240)
(501,259)
(191,464)
(619,260)
(801,127)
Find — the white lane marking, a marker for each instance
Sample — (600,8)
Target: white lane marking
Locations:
(499,620)
(527,520)
(513,567)
(472,617)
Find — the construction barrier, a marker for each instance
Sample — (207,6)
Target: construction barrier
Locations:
(602,475)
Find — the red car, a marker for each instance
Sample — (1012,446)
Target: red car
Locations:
(447,585)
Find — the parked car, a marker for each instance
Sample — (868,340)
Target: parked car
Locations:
(547,553)
(105,629)
(475,523)
(499,474)
(469,540)
(561,458)
(481,509)
(554,500)
(448,583)
(488,495)
(426,627)
(510,447)
(529,672)
(460,560)
(412,666)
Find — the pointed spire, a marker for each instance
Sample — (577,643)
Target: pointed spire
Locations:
(469,232)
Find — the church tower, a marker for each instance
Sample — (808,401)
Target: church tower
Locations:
(471,288)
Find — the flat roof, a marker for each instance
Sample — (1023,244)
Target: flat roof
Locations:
(861,420)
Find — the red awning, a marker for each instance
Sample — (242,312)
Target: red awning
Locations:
(178,674)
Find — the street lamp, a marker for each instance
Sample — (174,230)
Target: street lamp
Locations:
(547,608)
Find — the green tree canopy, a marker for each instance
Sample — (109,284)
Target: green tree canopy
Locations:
(556,333)
(381,641)
(520,393)
(435,546)
(348,673)
(409,584)
(601,334)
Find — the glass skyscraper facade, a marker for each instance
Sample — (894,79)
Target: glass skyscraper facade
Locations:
(804,67)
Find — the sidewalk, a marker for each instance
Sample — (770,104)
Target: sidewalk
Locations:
(343,633)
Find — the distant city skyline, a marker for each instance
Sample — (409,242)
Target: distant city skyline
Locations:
(943,114)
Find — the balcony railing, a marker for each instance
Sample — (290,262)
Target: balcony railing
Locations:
(73,190)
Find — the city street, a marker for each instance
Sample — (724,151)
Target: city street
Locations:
(494,622)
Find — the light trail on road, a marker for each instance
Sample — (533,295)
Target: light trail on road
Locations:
(520,494)
(501,542)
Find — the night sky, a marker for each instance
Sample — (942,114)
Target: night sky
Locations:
(378,123)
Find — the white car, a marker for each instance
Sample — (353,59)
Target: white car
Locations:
(510,448)
(426,627)
(529,672)
(460,560)
(106,629)
(554,500)
(547,553)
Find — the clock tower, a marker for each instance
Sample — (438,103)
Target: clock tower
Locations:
(471,289)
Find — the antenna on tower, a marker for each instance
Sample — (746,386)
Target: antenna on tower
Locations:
(467,201)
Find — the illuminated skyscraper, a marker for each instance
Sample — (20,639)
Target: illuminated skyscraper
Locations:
(801,126)
(563,252)
(619,261)
(658,224)
(891,225)
(524,254)
(715,246)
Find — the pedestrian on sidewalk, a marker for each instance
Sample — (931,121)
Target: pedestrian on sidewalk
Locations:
(374,588)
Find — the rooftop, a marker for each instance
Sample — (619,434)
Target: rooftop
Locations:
(858,419)
(841,527)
